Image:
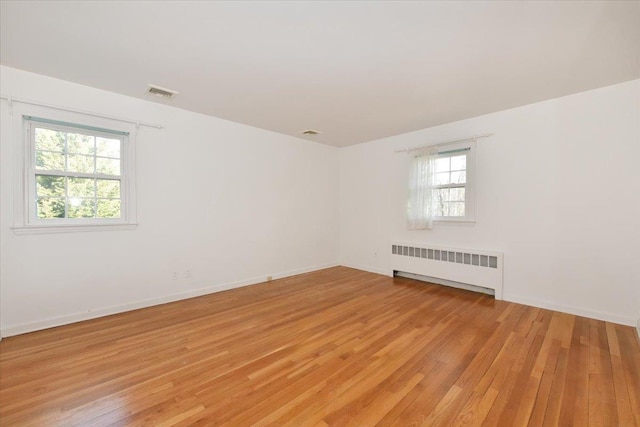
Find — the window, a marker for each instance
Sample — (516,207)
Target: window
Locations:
(76,176)
(451,194)
(441,185)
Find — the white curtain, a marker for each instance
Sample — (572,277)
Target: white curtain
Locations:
(419,209)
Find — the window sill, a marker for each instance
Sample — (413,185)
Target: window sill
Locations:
(75,228)
(454,220)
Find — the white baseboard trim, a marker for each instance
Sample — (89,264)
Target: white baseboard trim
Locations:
(368,269)
(106,311)
(578,311)
(534,302)
(300,271)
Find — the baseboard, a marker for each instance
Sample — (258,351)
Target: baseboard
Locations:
(578,311)
(368,269)
(106,311)
(300,271)
(534,302)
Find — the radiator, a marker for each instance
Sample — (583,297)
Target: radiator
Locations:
(466,266)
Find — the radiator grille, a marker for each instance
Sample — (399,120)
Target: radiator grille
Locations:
(469,258)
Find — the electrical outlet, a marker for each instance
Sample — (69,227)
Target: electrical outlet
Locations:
(174,275)
(187,273)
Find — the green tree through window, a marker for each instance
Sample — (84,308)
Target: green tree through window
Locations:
(78,173)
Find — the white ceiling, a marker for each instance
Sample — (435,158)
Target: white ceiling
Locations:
(357,71)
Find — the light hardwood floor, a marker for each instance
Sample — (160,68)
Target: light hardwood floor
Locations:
(336,347)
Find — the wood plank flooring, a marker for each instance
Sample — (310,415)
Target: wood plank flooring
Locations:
(338,347)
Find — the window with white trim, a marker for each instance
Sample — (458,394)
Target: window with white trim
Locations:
(452,190)
(76,175)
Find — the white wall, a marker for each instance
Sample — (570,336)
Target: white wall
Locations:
(230,202)
(558,191)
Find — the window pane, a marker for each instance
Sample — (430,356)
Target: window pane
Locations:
(49,161)
(459,163)
(439,210)
(50,207)
(109,188)
(109,208)
(50,140)
(444,209)
(441,178)
(78,163)
(81,187)
(107,147)
(458,177)
(456,194)
(108,166)
(456,209)
(81,208)
(49,186)
(92,168)
(442,164)
(81,144)
(448,202)
(439,201)
(440,194)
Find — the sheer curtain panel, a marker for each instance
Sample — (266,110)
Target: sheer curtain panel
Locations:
(419,209)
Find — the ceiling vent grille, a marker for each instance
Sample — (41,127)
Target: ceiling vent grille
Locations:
(310,132)
(161,92)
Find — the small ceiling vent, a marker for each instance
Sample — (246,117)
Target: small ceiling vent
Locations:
(309,132)
(161,92)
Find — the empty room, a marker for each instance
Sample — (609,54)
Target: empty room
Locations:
(318,213)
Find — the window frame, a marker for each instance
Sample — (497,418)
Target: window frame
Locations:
(469,149)
(26,220)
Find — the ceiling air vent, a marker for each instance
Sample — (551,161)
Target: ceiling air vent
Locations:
(161,92)
(310,132)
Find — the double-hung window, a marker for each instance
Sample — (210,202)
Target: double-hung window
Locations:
(76,176)
(452,185)
(441,185)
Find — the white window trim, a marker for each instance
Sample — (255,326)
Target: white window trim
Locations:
(470,186)
(24,219)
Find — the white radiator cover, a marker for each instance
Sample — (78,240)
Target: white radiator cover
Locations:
(468,266)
